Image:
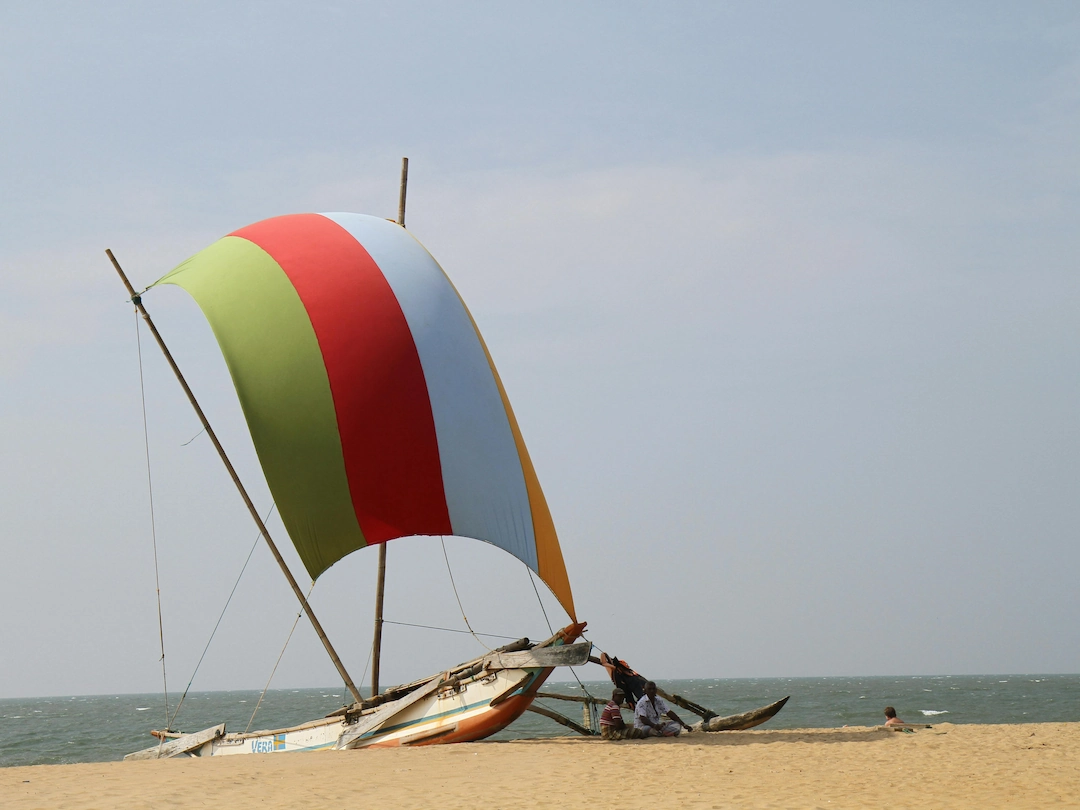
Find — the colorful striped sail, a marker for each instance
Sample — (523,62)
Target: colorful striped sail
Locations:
(371,398)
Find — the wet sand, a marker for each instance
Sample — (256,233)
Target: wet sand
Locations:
(956,766)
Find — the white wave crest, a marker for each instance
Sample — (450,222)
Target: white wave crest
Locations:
(929,712)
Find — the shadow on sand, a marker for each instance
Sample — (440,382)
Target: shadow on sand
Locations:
(822,736)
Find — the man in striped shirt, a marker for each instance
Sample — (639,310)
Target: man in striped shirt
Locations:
(612,726)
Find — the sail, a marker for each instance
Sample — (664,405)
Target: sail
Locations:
(371,398)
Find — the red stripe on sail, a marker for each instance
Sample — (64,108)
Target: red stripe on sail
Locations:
(380,396)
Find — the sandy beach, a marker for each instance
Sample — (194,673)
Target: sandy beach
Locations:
(948,765)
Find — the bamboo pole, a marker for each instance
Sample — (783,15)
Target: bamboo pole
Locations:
(564,721)
(574,698)
(136,299)
(376,644)
(380,584)
(683,703)
(401,193)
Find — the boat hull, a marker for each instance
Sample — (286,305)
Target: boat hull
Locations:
(464,716)
(741,722)
(457,711)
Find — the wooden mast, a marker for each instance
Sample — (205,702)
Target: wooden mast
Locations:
(380,586)
(136,299)
(376,644)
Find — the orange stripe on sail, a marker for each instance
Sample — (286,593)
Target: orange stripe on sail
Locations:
(549,558)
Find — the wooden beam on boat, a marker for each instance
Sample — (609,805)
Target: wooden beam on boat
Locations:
(689,705)
(565,655)
(384,713)
(563,721)
(741,722)
(575,698)
(180,745)
(506,694)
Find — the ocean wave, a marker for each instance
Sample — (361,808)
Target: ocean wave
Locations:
(930,712)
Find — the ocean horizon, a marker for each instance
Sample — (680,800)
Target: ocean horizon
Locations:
(94,728)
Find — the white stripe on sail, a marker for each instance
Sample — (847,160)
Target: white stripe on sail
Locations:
(482,476)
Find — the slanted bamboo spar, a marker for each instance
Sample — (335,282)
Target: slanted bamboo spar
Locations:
(136,299)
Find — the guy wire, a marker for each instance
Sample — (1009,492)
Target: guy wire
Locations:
(447,629)
(538,599)
(153,522)
(454,584)
(222,615)
(536,590)
(281,655)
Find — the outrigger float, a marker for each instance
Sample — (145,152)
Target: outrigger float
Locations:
(633,686)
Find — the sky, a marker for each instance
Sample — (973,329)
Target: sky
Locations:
(784,296)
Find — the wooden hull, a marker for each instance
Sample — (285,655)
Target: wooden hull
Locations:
(741,722)
(435,712)
(462,717)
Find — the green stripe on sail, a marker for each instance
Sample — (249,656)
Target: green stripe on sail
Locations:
(277,367)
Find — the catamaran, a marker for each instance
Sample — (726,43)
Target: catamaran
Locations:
(376,413)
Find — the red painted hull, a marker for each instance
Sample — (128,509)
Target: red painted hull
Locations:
(494,718)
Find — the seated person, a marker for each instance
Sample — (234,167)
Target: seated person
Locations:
(612,726)
(649,711)
(891,719)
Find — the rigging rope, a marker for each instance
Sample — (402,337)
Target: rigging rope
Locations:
(367,666)
(193,438)
(221,616)
(592,709)
(538,599)
(448,629)
(153,522)
(454,584)
(288,638)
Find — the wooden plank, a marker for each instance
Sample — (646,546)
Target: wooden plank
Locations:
(430,734)
(180,745)
(507,693)
(565,655)
(564,721)
(575,698)
(683,703)
(384,713)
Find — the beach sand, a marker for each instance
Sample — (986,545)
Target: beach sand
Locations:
(955,766)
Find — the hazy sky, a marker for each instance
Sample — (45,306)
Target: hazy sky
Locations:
(785,296)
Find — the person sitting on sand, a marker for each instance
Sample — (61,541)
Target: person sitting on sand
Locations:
(612,726)
(891,719)
(650,709)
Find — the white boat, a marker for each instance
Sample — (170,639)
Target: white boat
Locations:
(376,413)
(470,702)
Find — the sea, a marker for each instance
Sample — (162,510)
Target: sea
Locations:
(99,728)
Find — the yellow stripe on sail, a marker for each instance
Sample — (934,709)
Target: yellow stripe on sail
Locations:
(549,558)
